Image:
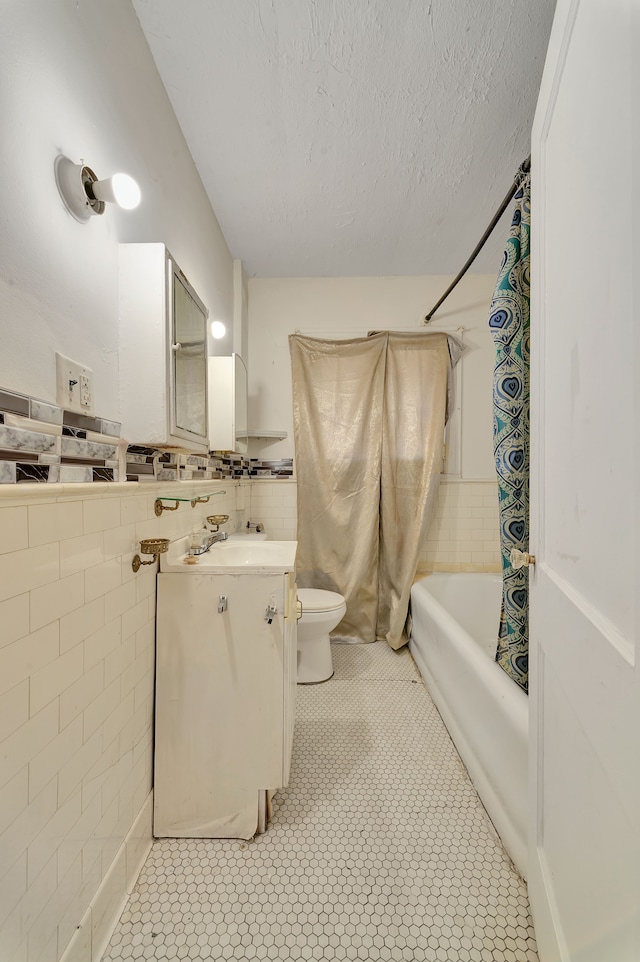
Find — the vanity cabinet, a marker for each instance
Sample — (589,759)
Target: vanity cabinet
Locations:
(225,700)
(163,351)
(228,404)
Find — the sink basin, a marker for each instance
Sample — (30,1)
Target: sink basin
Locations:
(248,536)
(246,553)
(232,556)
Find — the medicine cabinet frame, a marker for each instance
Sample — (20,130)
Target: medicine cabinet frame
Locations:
(179,287)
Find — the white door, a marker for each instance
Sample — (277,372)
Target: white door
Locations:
(584,859)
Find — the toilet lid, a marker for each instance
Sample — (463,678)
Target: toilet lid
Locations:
(317,599)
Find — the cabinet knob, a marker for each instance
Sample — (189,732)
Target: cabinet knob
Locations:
(176,347)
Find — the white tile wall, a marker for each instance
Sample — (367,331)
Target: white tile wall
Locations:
(464,533)
(275,504)
(77,630)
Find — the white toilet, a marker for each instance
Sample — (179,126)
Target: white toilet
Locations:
(321,612)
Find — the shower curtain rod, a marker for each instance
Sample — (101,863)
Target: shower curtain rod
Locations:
(524,168)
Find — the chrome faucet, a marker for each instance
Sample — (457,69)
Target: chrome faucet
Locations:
(207,541)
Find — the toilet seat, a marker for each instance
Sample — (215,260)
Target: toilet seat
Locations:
(317,599)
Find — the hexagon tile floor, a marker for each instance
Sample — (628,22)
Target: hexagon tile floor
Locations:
(379,849)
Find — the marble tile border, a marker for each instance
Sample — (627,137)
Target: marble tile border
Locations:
(41,442)
(145,463)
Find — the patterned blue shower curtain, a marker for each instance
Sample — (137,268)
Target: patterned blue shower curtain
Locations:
(509,324)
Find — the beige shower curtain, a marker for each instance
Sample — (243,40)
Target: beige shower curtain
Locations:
(369,416)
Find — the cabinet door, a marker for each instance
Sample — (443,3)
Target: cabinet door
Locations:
(189,361)
(219,703)
(228,404)
(240,404)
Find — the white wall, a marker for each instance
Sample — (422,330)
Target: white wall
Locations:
(78,78)
(351,306)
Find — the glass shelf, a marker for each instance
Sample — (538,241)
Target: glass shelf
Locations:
(159,507)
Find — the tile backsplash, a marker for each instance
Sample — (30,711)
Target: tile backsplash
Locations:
(42,442)
(155,464)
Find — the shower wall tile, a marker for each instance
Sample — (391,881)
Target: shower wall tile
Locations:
(464,533)
(274,503)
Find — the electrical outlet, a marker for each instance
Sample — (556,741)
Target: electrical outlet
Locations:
(85,392)
(74,385)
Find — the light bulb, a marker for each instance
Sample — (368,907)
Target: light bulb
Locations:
(119,189)
(126,191)
(218,330)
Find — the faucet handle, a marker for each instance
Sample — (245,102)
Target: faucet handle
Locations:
(258,525)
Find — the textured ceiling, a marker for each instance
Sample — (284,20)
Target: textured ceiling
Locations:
(353,137)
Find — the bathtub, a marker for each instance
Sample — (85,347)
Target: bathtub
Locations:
(453,641)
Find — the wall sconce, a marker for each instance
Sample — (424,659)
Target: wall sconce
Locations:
(218,329)
(83,194)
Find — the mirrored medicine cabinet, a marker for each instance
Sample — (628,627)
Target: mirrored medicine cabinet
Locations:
(163,352)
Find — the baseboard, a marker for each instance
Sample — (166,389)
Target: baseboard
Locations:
(96,927)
